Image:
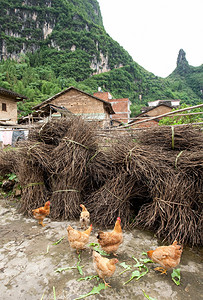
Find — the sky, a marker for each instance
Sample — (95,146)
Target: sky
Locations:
(153,31)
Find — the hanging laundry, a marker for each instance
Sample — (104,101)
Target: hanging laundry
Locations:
(7,137)
(18,135)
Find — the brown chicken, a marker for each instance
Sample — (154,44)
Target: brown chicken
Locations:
(167,256)
(103,266)
(78,239)
(110,241)
(84,217)
(41,212)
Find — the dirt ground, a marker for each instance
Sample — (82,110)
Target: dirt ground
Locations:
(29,260)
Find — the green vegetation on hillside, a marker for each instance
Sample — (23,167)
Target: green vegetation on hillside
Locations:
(41,82)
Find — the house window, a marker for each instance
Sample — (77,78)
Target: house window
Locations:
(3,106)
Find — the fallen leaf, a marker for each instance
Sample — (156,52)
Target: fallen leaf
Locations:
(56,243)
(176,274)
(95,290)
(148,297)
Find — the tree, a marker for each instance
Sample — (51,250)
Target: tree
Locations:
(187,119)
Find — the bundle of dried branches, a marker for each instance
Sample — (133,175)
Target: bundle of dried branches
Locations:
(69,177)
(29,176)
(37,153)
(112,200)
(139,180)
(190,164)
(173,213)
(69,160)
(100,169)
(53,131)
(31,180)
(65,198)
(175,138)
(147,164)
(135,171)
(7,161)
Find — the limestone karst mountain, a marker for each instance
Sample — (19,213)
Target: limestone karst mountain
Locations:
(59,43)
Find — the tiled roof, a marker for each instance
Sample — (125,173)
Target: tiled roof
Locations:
(11,94)
(147,109)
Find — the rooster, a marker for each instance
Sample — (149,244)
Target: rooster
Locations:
(103,266)
(41,212)
(110,241)
(78,239)
(167,256)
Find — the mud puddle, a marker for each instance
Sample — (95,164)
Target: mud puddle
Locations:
(29,259)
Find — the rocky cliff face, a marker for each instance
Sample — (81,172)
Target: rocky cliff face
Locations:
(182,63)
(24,24)
(28,25)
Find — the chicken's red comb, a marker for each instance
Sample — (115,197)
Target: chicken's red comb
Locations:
(119,218)
(91,225)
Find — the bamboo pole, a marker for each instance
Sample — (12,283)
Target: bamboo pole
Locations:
(164,115)
(189,114)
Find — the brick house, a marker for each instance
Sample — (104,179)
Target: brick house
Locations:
(148,113)
(156,111)
(120,106)
(8,105)
(156,108)
(78,102)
